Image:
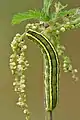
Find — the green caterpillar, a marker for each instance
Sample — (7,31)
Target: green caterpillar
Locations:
(51,68)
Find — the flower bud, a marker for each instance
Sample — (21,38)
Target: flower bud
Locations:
(62,29)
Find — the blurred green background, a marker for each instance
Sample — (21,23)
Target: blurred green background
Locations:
(68,107)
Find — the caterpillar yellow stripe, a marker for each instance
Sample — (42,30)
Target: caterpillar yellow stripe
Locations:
(51,68)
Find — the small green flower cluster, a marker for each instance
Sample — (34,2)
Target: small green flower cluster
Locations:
(39,26)
(31,26)
(18,65)
(67,67)
(67,26)
(60,50)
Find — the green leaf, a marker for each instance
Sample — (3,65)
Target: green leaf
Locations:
(31,14)
(72,13)
(68,12)
(47,4)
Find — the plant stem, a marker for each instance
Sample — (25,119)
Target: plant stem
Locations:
(48,115)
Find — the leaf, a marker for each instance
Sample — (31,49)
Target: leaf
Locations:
(67,13)
(31,14)
(47,4)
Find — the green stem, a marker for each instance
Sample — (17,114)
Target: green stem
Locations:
(48,115)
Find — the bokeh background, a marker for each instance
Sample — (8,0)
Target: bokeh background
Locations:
(68,107)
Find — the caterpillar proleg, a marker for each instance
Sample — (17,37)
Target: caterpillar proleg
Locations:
(51,68)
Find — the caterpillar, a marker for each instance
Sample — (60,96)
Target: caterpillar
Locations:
(51,68)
